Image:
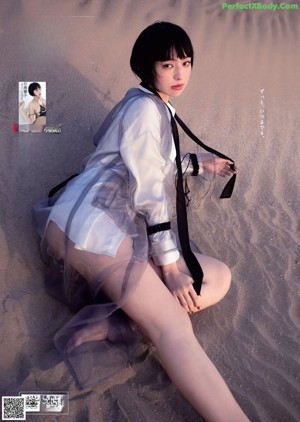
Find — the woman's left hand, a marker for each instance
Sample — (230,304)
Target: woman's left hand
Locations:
(181,287)
(217,165)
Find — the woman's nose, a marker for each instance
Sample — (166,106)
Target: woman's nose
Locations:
(178,73)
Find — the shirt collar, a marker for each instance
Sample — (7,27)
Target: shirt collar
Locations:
(171,108)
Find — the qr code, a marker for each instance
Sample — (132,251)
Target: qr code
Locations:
(32,402)
(13,408)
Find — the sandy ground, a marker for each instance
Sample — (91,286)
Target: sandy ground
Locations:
(81,49)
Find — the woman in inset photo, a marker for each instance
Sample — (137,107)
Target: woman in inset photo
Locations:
(36,110)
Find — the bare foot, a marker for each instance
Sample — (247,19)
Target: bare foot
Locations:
(92,332)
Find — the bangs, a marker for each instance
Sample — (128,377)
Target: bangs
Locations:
(172,40)
(181,51)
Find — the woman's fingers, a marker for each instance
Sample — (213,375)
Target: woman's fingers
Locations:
(181,287)
(225,169)
(184,304)
(193,301)
(195,298)
(184,301)
(188,299)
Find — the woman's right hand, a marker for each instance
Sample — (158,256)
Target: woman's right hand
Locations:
(21,105)
(181,287)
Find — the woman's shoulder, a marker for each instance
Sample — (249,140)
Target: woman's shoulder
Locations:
(143,103)
(32,107)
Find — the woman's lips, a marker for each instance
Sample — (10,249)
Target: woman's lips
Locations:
(177,87)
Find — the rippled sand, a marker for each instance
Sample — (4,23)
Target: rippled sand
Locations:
(81,49)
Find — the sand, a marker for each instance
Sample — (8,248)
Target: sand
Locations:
(81,49)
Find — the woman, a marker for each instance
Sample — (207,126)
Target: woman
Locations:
(110,234)
(36,112)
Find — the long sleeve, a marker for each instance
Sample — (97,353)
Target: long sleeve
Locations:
(187,165)
(143,149)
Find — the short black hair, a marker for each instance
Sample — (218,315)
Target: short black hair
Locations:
(157,43)
(32,87)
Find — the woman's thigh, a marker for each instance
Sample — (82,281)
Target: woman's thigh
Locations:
(216,279)
(98,270)
(212,267)
(150,304)
(154,308)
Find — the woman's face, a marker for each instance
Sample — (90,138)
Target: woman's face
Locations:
(172,76)
(37,92)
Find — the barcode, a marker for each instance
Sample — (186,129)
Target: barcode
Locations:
(13,408)
(45,402)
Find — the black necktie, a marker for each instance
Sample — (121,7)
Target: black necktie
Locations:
(183,231)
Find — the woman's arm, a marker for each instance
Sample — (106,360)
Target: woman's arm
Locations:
(194,164)
(28,118)
(141,148)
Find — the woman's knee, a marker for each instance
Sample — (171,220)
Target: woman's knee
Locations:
(220,278)
(224,275)
(215,271)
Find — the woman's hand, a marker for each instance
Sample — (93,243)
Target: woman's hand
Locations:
(214,164)
(181,287)
(21,105)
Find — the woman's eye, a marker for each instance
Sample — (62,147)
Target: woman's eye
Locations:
(167,66)
(187,63)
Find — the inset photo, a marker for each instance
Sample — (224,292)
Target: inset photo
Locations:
(32,106)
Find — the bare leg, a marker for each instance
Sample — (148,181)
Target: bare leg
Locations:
(216,280)
(87,264)
(153,308)
(157,312)
(94,332)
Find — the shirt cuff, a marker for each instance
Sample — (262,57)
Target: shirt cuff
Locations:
(166,258)
(187,165)
(163,248)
